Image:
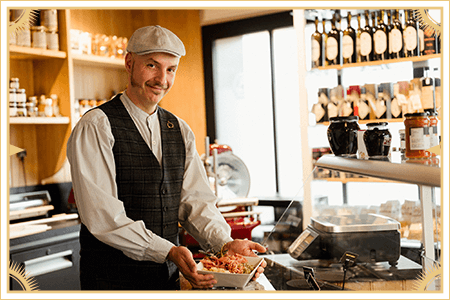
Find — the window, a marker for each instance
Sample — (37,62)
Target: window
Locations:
(251,79)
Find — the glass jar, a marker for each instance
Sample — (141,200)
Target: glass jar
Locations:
(49,18)
(31,109)
(377,140)
(52,39)
(14,83)
(48,109)
(417,136)
(38,37)
(12,103)
(401,132)
(21,96)
(41,106)
(343,135)
(21,109)
(24,37)
(434,135)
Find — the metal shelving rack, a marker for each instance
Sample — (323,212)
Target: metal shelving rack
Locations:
(426,177)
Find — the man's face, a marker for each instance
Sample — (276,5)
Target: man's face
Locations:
(151,75)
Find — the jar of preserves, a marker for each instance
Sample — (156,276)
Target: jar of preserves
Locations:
(12,103)
(21,109)
(38,37)
(417,136)
(377,140)
(343,135)
(31,109)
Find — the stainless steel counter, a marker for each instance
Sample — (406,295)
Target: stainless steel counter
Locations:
(286,273)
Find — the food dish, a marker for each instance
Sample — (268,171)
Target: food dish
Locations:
(230,279)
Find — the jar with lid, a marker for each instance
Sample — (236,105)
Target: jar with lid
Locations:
(377,140)
(14,83)
(38,37)
(417,136)
(31,109)
(12,103)
(24,37)
(41,106)
(21,109)
(343,135)
(21,96)
(52,39)
(48,109)
(49,18)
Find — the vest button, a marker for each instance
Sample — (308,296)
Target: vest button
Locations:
(164,191)
(165,208)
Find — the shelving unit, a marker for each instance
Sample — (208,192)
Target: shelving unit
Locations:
(426,177)
(72,77)
(379,63)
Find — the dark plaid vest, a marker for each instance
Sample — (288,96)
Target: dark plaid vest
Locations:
(150,192)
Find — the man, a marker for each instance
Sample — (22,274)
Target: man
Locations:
(137,175)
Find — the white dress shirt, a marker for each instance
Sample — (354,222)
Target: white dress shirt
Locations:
(90,154)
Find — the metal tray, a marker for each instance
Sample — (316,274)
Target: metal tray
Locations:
(354,223)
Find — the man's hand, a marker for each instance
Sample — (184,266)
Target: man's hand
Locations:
(184,260)
(246,247)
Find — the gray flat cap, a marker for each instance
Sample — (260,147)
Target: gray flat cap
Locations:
(151,39)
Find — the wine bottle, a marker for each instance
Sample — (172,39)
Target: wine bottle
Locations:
(316,46)
(420,34)
(410,36)
(396,37)
(366,40)
(324,43)
(380,39)
(333,42)
(349,42)
(358,39)
(389,28)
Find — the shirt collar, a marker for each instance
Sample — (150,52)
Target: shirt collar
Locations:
(136,111)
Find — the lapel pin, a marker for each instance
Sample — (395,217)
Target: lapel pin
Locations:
(169,124)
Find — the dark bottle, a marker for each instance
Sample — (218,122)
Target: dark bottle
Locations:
(324,44)
(389,27)
(316,46)
(420,35)
(396,37)
(349,53)
(410,36)
(358,39)
(380,39)
(333,44)
(366,40)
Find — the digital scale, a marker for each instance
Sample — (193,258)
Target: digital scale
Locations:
(373,238)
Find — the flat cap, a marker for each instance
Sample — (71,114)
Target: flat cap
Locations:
(151,39)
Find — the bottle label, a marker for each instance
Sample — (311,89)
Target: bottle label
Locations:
(434,136)
(421,40)
(366,44)
(363,109)
(410,38)
(347,46)
(395,40)
(396,110)
(315,50)
(419,138)
(332,48)
(358,46)
(380,41)
(332,110)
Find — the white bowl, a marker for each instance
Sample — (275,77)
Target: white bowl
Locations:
(230,279)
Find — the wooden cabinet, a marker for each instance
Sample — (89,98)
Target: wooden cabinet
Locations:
(72,77)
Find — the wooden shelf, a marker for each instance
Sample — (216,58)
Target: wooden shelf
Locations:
(347,180)
(17,52)
(39,120)
(381,62)
(101,61)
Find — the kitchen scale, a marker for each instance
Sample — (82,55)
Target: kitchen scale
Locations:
(373,238)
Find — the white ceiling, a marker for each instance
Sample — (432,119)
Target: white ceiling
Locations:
(215,16)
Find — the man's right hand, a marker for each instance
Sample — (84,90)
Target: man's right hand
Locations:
(184,260)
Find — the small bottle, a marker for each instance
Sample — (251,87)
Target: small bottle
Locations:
(55,105)
(349,54)
(48,110)
(366,40)
(41,106)
(316,46)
